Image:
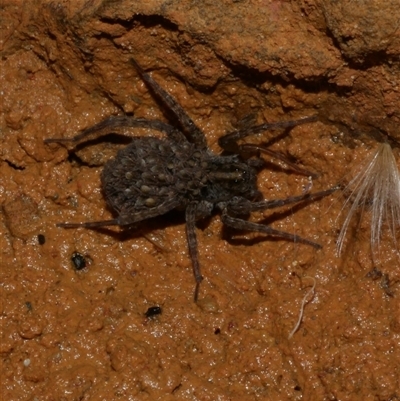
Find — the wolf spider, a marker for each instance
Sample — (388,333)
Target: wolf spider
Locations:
(151,176)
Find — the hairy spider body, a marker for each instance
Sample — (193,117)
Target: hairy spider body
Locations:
(152,176)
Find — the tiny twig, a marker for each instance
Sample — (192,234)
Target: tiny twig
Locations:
(303,304)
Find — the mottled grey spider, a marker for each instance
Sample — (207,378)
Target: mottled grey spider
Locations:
(152,176)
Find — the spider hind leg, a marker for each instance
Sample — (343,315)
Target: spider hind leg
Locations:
(90,224)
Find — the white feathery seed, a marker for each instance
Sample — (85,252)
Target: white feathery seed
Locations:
(376,187)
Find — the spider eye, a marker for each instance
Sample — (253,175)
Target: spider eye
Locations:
(241,174)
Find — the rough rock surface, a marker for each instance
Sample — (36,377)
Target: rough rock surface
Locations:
(83,335)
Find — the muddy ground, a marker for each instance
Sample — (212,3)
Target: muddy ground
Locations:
(73,332)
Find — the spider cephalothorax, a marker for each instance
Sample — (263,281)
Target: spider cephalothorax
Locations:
(152,176)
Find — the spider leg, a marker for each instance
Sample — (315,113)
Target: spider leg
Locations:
(228,141)
(241,206)
(89,224)
(114,124)
(276,155)
(188,125)
(191,212)
(126,218)
(241,224)
(244,206)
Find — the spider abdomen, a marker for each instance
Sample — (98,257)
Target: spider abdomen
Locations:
(149,173)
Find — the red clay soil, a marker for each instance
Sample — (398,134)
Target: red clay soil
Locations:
(69,334)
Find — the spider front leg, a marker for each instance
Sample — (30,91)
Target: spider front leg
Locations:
(116,124)
(229,143)
(250,148)
(241,224)
(189,127)
(241,206)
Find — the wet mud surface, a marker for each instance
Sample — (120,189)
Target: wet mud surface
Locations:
(78,317)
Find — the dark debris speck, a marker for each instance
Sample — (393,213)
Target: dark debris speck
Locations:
(153,311)
(78,261)
(41,239)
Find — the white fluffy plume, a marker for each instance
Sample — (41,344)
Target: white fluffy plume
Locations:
(376,187)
